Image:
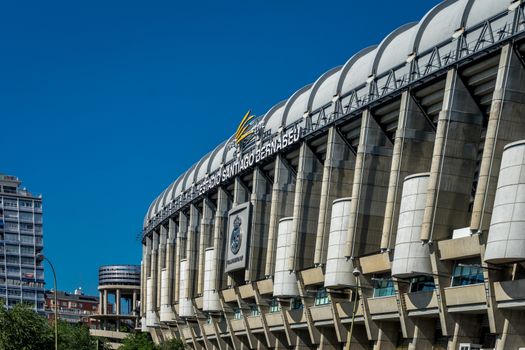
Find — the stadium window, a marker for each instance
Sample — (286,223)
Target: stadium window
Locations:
(467,272)
(274,305)
(383,285)
(422,284)
(321,297)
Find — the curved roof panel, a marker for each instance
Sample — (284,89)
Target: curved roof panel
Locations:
(202,168)
(395,48)
(481,10)
(188,178)
(296,105)
(273,119)
(324,89)
(439,24)
(356,72)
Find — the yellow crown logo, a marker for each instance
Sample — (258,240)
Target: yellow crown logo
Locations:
(244,130)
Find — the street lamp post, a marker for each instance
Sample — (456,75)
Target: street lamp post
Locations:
(41,257)
(356,274)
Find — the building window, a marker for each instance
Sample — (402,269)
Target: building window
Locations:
(467,272)
(237,314)
(274,305)
(254,310)
(422,284)
(383,285)
(296,304)
(321,297)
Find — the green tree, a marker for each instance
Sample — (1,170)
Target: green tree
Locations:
(138,341)
(77,337)
(23,329)
(172,344)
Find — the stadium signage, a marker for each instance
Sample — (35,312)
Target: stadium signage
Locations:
(238,237)
(247,160)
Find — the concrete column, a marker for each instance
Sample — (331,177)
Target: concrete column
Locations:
(513,334)
(281,206)
(241,194)
(191,251)
(261,202)
(338,174)
(105,302)
(154,270)
(205,240)
(147,272)
(306,209)
(423,334)
(387,336)
(451,176)
(117,302)
(453,162)
(161,264)
(369,190)
(100,303)
(505,125)
(219,235)
(180,252)
(166,311)
(134,303)
(466,330)
(412,154)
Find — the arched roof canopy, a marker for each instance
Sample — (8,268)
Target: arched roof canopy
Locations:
(439,24)
(356,70)
(394,49)
(296,105)
(324,89)
(274,117)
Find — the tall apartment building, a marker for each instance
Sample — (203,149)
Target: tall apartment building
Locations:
(21,276)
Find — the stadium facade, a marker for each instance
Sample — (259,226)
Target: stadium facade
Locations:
(381,206)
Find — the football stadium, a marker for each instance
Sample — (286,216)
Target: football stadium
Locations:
(380,207)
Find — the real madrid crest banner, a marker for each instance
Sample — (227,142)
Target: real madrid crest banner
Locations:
(238,236)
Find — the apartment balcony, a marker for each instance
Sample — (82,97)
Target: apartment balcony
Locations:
(510,294)
(254,322)
(468,298)
(237,325)
(274,319)
(345,309)
(383,307)
(295,316)
(208,329)
(421,303)
(321,312)
(459,248)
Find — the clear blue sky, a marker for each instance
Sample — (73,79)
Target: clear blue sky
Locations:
(104,103)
